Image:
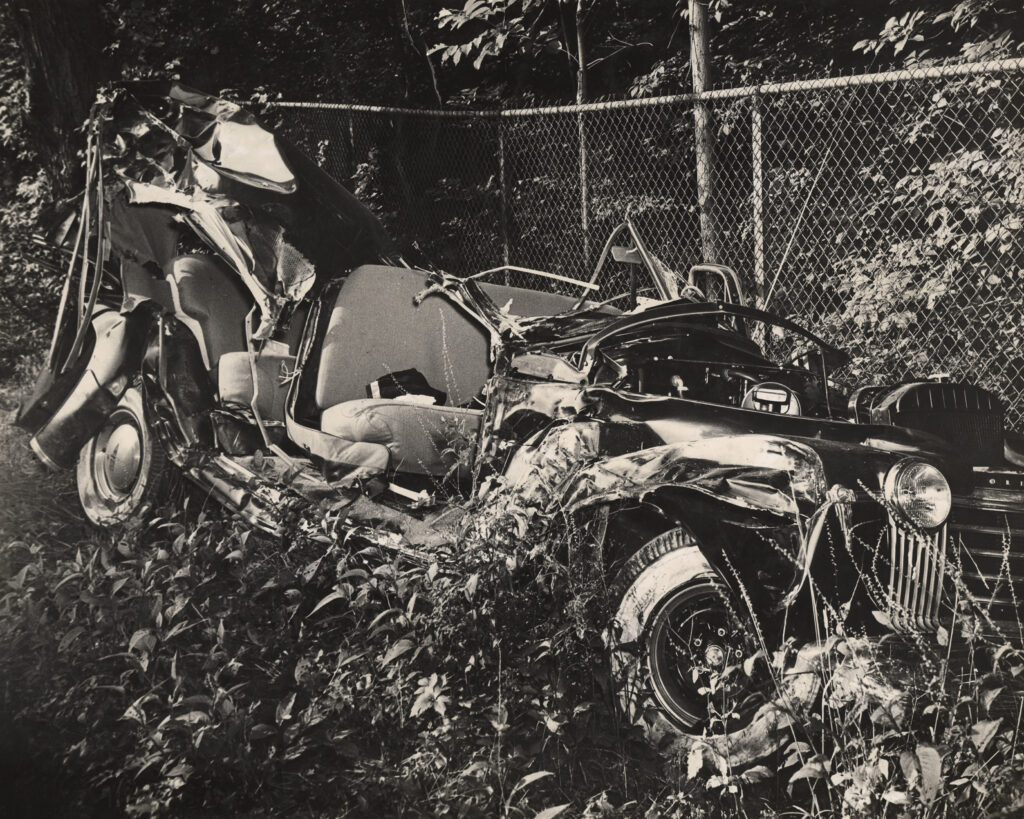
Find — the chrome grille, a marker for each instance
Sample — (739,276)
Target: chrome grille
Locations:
(969,418)
(916,571)
(988,546)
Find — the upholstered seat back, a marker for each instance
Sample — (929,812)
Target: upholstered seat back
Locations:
(375,328)
(211,302)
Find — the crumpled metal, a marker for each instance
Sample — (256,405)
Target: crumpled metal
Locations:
(755,472)
(266,210)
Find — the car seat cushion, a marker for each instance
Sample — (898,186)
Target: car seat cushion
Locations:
(422,440)
(357,460)
(357,421)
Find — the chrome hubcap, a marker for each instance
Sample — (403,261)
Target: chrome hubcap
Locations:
(122,457)
(714,656)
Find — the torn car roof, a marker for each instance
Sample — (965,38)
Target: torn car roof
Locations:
(268,211)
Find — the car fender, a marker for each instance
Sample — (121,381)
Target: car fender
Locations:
(65,412)
(756,474)
(745,482)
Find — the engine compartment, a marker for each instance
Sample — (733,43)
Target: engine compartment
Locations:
(715,365)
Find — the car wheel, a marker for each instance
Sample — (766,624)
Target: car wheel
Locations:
(678,644)
(123,470)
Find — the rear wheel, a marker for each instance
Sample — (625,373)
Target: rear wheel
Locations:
(123,470)
(679,643)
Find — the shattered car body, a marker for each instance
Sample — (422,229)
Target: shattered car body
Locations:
(232,313)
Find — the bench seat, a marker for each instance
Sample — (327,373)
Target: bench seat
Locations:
(376,328)
(423,440)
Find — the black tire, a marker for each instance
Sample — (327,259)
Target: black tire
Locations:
(678,641)
(123,471)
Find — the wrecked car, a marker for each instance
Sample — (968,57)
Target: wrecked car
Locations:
(233,315)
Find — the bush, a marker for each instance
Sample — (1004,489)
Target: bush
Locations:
(188,665)
(194,665)
(29,290)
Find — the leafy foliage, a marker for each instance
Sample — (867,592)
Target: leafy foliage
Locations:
(28,289)
(967,29)
(493,28)
(948,243)
(188,665)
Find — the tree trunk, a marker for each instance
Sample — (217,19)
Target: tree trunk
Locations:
(581,54)
(62,48)
(704,134)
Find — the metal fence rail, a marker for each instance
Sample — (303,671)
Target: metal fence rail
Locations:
(884,211)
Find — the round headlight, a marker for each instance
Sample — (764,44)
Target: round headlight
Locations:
(919,492)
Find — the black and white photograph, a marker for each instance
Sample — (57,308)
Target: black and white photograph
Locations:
(596,409)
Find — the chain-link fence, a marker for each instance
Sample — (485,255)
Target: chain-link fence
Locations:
(885,212)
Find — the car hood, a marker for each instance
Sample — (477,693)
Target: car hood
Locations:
(852,454)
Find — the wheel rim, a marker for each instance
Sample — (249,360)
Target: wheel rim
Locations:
(117,457)
(694,645)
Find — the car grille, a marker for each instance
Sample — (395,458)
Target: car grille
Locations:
(978,556)
(969,418)
(917,569)
(987,550)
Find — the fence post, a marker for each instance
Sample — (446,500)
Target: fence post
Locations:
(352,164)
(503,182)
(581,97)
(584,195)
(757,196)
